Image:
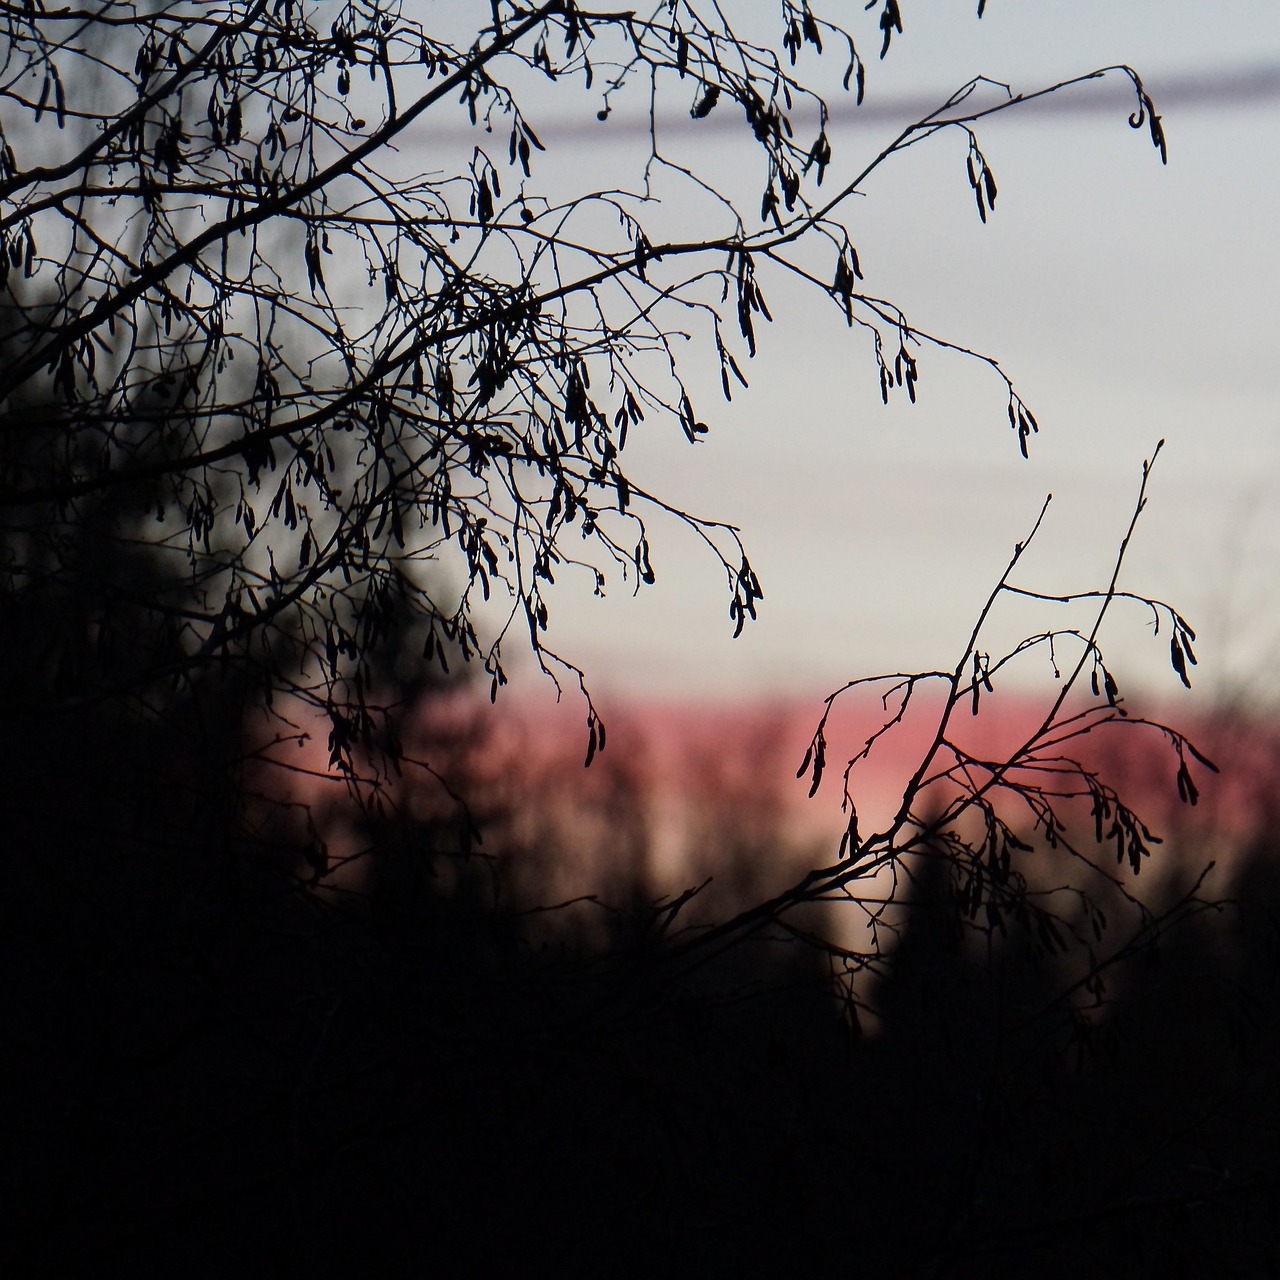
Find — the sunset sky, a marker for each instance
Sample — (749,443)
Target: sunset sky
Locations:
(1128,302)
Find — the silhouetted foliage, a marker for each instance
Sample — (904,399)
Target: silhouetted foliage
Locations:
(326,374)
(282,401)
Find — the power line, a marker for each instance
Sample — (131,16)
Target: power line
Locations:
(1228,90)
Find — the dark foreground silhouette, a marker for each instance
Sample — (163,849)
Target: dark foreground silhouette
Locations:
(210,1069)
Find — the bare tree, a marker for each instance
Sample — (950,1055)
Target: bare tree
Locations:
(307,377)
(313,346)
(1034,836)
(337,369)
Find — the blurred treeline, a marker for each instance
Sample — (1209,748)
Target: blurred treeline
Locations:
(220,1062)
(261,1018)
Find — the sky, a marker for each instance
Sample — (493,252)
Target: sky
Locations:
(1128,301)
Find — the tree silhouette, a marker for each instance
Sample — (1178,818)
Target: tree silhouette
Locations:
(336,373)
(334,400)
(313,347)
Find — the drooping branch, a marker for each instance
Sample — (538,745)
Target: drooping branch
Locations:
(324,376)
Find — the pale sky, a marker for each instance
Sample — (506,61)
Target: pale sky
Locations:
(1128,302)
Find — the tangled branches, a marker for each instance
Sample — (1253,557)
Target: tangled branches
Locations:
(317,375)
